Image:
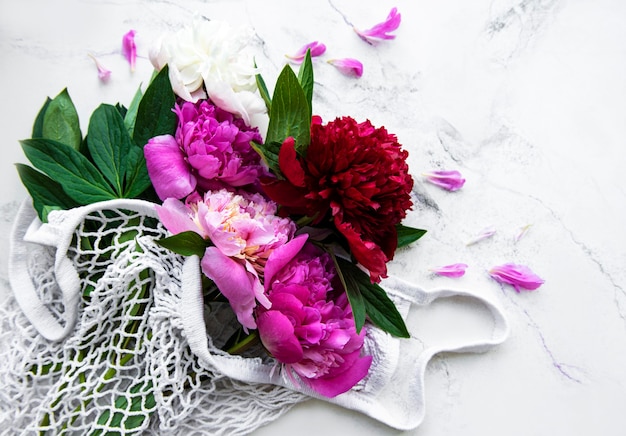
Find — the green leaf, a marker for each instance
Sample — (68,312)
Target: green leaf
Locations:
(290,112)
(379,308)
(38,125)
(136,176)
(45,192)
(154,114)
(131,114)
(407,235)
(186,243)
(305,77)
(265,94)
(60,121)
(353,291)
(81,180)
(269,154)
(109,145)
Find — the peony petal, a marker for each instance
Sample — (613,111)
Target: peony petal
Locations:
(455,270)
(381,30)
(176,217)
(448,180)
(168,171)
(281,256)
(519,276)
(234,282)
(317,49)
(277,335)
(348,66)
(485,233)
(521,232)
(103,73)
(332,386)
(289,164)
(129,48)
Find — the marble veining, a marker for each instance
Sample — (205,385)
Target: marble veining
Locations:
(525,97)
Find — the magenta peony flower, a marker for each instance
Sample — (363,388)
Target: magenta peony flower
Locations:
(211,151)
(244,231)
(309,327)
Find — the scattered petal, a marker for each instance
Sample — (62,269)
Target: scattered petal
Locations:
(129,48)
(519,276)
(455,270)
(103,73)
(317,49)
(381,30)
(522,231)
(448,180)
(348,66)
(485,233)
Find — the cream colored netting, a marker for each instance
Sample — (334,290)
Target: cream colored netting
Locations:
(126,364)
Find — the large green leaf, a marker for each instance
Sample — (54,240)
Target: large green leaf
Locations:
(407,235)
(269,153)
(305,77)
(186,243)
(131,114)
(136,176)
(154,114)
(353,291)
(45,192)
(38,124)
(60,121)
(381,311)
(81,179)
(290,112)
(109,145)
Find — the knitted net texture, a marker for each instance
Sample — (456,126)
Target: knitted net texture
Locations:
(126,365)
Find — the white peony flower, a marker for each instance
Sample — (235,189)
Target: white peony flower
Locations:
(214,54)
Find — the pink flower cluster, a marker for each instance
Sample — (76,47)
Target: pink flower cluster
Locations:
(211,150)
(277,283)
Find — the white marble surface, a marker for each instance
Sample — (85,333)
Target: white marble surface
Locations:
(527,98)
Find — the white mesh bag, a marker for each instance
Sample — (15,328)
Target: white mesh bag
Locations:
(108,331)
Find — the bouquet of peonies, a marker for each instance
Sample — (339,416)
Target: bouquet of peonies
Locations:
(212,208)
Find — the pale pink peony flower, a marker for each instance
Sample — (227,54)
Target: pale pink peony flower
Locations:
(381,30)
(211,151)
(455,270)
(317,49)
(129,48)
(448,180)
(519,276)
(348,66)
(309,327)
(244,231)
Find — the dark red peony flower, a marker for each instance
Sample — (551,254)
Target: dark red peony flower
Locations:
(355,175)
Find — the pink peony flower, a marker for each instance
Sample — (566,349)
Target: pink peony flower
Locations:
(211,151)
(309,327)
(244,231)
(519,276)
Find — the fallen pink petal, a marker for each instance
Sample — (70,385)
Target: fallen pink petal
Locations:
(317,49)
(448,180)
(518,276)
(455,270)
(485,233)
(522,231)
(129,48)
(348,66)
(103,73)
(381,30)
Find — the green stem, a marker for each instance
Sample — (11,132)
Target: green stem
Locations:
(244,344)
